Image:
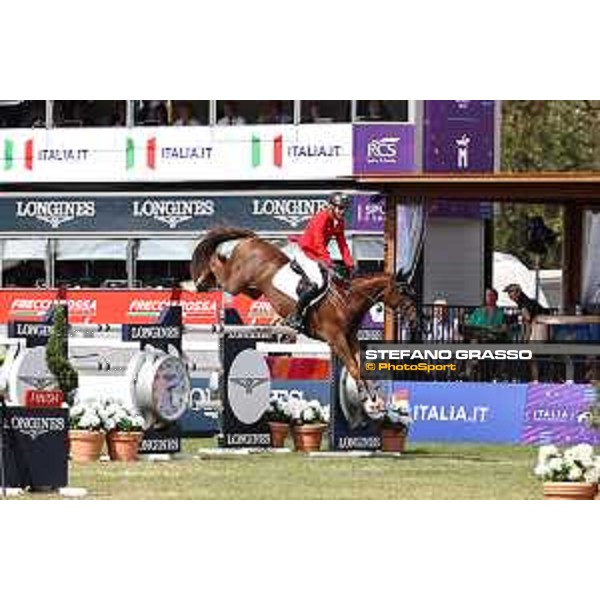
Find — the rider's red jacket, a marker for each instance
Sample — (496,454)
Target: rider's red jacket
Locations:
(319,232)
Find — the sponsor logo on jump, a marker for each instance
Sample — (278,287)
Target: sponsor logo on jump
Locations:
(34,427)
(173,212)
(55,212)
(293,211)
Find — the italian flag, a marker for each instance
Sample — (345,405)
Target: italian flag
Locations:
(150,153)
(9,154)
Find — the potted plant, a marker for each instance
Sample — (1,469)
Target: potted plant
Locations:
(309,420)
(124,429)
(278,417)
(57,356)
(571,474)
(395,423)
(86,433)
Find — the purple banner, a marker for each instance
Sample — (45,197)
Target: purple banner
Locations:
(368,214)
(558,414)
(383,149)
(459,136)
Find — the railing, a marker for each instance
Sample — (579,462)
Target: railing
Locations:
(453,328)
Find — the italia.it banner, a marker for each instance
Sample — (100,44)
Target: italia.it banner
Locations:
(266,152)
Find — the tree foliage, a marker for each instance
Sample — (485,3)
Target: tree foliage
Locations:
(540,135)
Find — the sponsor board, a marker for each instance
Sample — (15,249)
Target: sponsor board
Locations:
(166,214)
(110,306)
(559,414)
(35,446)
(43,398)
(260,152)
(383,148)
(465,412)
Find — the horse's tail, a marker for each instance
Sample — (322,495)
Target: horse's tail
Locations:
(208,245)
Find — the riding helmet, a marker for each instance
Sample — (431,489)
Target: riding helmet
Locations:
(339,199)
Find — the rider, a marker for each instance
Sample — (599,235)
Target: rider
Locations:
(328,223)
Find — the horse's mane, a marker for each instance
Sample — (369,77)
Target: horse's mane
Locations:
(207,246)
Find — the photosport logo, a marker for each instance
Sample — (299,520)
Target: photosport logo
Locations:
(173,212)
(55,212)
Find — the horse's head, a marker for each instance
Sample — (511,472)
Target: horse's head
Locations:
(399,295)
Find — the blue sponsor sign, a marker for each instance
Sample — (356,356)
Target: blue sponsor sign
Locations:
(466,412)
(202,416)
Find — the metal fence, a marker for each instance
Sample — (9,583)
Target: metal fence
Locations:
(450,325)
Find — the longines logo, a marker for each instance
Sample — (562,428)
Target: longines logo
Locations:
(249,386)
(173,212)
(38,383)
(249,383)
(55,212)
(34,427)
(292,211)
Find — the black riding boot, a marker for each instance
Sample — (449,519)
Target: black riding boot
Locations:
(296,319)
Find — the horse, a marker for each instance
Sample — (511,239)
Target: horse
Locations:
(240,262)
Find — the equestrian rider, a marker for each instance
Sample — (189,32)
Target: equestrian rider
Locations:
(327,224)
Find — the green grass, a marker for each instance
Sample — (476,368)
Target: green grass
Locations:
(427,471)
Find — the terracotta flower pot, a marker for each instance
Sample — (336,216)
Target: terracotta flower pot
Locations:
(565,490)
(307,438)
(279,433)
(393,440)
(85,446)
(124,445)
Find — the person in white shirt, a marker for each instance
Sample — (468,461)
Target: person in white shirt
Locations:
(230,115)
(443,328)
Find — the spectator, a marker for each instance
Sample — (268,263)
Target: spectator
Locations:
(442,327)
(529,307)
(184,115)
(231,115)
(274,114)
(314,113)
(376,111)
(156,114)
(489,321)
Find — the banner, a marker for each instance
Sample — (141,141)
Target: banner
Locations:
(459,137)
(465,412)
(261,152)
(384,149)
(111,306)
(558,414)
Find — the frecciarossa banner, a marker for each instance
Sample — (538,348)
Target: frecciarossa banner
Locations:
(261,152)
(110,306)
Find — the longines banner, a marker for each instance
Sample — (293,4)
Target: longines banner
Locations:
(262,152)
(153,213)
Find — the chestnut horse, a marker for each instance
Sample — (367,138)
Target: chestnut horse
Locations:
(251,266)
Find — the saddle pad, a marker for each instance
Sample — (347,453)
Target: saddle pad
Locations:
(286,280)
